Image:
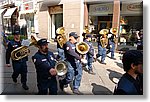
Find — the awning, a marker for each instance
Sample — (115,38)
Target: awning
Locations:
(9,13)
(2,10)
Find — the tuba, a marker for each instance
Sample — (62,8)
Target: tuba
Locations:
(23,51)
(61,68)
(61,38)
(103,39)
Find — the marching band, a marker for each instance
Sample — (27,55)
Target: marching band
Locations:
(72,56)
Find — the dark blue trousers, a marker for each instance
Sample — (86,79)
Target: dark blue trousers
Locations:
(20,68)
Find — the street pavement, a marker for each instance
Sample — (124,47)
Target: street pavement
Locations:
(103,83)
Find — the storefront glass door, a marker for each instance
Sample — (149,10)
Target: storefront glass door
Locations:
(57,21)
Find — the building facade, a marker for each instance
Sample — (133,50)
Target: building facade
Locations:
(43,17)
(97,14)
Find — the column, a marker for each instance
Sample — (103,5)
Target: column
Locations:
(116,14)
(73,16)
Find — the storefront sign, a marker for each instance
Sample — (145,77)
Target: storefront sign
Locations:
(100,9)
(132,8)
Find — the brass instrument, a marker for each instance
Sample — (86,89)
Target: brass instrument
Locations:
(86,30)
(82,48)
(103,39)
(104,31)
(61,38)
(61,68)
(114,31)
(22,51)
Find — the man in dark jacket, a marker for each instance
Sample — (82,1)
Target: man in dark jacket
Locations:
(131,83)
(19,66)
(44,61)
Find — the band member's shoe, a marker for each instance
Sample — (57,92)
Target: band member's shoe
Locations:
(91,72)
(14,80)
(108,51)
(103,63)
(76,91)
(25,87)
(113,58)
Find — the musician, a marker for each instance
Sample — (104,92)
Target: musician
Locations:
(74,64)
(112,42)
(102,43)
(85,32)
(19,66)
(44,61)
(60,49)
(90,54)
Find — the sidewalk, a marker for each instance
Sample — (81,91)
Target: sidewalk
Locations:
(102,83)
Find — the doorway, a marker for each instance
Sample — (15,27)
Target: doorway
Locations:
(57,21)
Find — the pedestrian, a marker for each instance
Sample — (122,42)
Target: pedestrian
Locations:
(19,66)
(73,60)
(139,35)
(44,61)
(131,83)
(89,54)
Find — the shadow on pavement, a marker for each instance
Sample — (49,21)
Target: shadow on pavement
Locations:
(113,75)
(119,64)
(100,90)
